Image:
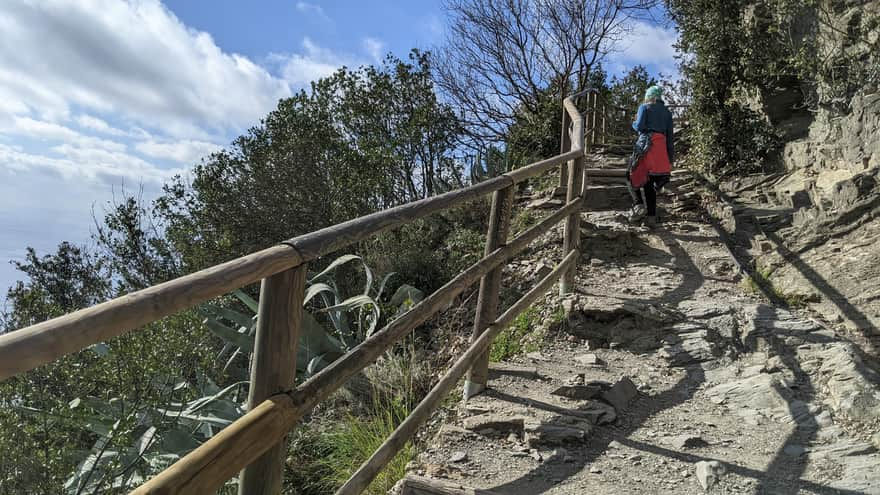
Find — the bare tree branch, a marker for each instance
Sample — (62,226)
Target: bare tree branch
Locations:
(502,56)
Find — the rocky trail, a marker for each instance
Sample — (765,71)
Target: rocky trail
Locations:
(665,375)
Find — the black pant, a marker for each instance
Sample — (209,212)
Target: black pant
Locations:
(648,196)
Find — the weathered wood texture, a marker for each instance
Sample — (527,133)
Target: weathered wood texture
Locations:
(207,467)
(401,435)
(25,349)
(273,368)
(565,145)
(574,189)
(490,287)
(419,485)
(594,116)
(572,232)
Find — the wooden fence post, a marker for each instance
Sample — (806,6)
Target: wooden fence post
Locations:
(572,232)
(490,286)
(565,146)
(594,117)
(273,369)
(587,143)
(604,129)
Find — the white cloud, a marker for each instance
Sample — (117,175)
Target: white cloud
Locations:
(313,63)
(311,8)
(374,48)
(50,131)
(75,163)
(648,44)
(96,124)
(185,152)
(129,58)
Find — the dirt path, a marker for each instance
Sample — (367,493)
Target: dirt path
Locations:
(681,377)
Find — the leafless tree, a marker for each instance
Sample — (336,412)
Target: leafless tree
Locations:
(502,56)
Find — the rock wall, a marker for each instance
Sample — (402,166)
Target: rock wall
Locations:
(830,124)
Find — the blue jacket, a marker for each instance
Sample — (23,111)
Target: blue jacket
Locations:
(656,118)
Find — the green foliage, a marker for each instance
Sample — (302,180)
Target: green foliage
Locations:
(428,253)
(326,458)
(130,240)
(536,129)
(516,339)
(523,220)
(628,91)
(740,51)
(84,413)
(488,163)
(335,325)
(152,437)
(69,279)
(359,141)
(727,136)
(325,453)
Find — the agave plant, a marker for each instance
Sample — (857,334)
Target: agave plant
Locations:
(135,440)
(347,320)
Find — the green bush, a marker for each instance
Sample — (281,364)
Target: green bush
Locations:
(429,252)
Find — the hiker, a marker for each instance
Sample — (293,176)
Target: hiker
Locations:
(651,161)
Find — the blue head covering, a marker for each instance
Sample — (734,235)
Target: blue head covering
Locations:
(653,92)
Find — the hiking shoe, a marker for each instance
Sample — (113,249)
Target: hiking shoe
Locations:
(636,214)
(651,222)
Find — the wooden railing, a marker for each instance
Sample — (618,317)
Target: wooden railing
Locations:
(253,445)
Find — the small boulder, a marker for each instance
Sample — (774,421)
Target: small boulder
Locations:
(543,434)
(496,422)
(591,360)
(621,394)
(578,392)
(458,456)
(709,472)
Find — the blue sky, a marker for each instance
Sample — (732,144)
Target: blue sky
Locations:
(101,96)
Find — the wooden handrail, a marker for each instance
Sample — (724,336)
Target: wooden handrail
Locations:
(369,469)
(273,408)
(207,467)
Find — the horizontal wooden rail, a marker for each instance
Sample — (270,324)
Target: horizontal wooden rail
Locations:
(392,445)
(206,468)
(25,349)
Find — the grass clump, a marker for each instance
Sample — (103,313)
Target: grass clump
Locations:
(326,452)
(759,283)
(523,220)
(357,438)
(516,339)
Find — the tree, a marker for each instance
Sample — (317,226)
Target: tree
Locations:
(628,91)
(44,434)
(359,141)
(504,57)
(729,136)
(70,279)
(132,244)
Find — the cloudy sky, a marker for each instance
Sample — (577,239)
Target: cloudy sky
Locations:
(103,96)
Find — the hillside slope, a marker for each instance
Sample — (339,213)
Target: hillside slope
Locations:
(666,374)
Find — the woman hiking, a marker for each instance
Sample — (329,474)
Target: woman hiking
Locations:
(651,162)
